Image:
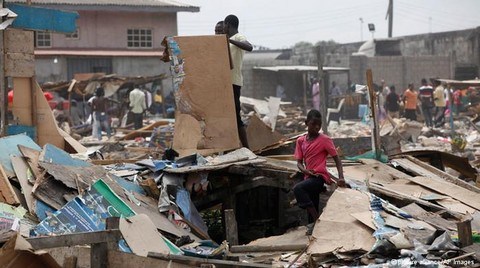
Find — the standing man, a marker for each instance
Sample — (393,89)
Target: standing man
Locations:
(138,106)
(426,99)
(410,99)
(392,103)
(440,104)
(238,46)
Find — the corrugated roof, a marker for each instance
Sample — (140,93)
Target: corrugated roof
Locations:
(122,3)
(300,68)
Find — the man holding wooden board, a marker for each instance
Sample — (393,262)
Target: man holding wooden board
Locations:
(238,46)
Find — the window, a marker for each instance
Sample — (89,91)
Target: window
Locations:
(43,39)
(139,38)
(74,35)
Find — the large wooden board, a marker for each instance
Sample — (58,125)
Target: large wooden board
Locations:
(456,192)
(203,93)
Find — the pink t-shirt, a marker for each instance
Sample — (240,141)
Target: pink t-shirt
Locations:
(314,154)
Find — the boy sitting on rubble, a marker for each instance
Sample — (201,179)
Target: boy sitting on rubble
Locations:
(311,152)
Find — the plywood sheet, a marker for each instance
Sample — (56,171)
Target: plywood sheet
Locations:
(203,90)
(337,230)
(365,218)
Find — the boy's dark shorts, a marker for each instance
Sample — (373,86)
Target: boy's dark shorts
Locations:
(307,191)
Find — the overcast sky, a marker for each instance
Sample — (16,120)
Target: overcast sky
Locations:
(282,23)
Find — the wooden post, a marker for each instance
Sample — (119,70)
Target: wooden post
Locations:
(374,110)
(33,82)
(99,252)
(464,228)
(323,90)
(231,230)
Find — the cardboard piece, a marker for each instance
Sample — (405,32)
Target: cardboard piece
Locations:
(260,135)
(203,91)
(142,236)
(365,218)
(22,109)
(17,252)
(337,230)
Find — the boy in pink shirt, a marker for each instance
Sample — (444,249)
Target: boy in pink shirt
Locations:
(311,152)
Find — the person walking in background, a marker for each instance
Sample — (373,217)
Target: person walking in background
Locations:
(238,46)
(392,103)
(410,99)
(100,108)
(426,99)
(137,106)
(440,104)
(316,94)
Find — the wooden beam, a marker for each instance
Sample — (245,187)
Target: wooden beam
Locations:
(376,143)
(464,228)
(76,239)
(231,229)
(201,261)
(269,248)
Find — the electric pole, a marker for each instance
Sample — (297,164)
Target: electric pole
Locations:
(390,18)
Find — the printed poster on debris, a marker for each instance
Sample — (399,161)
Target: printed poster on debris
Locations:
(86,213)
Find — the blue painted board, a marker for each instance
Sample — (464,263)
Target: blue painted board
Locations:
(43,19)
(52,154)
(9,146)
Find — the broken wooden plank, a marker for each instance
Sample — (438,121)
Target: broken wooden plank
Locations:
(431,218)
(32,156)
(119,259)
(270,248)
(69,240)
(454,191)
(7,194)
(401,196)
(464,228)
(74,177)
(231,227)
(201,261)
(20,167)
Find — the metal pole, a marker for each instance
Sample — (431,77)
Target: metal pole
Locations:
(374,109)
(390,18)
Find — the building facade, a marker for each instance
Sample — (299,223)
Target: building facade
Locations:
(113,36)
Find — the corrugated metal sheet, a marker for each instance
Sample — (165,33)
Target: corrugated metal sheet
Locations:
(131,3)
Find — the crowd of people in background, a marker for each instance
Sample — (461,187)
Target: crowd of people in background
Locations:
(434,101)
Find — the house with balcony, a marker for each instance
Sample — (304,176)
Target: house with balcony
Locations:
(112,36)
